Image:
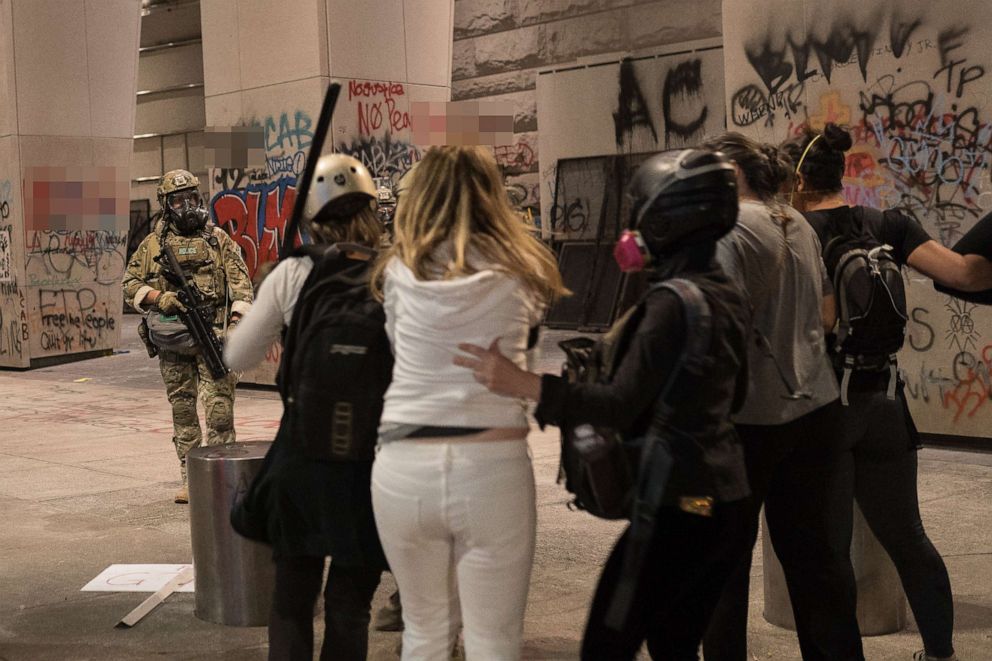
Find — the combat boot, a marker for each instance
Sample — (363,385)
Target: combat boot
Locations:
(182,496)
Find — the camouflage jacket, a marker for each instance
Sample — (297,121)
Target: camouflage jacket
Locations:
(210,258)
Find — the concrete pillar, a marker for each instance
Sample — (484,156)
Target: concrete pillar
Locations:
(67,90)
(881,602)
(269,65)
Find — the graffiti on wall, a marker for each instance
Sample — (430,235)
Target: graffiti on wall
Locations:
(677,119)
(911,84)
(6,255)
(386,157)
(380,107)
(13,322)
(255,215)
(635,106)
(254,205)
(13,314)
(64,257)
(71,320)
(962,386)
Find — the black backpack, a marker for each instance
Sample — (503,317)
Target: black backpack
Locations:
(337,360)
(598,467)
(871,300)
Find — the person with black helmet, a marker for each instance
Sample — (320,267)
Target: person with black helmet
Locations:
(213,260)
(790,422)
(682,202)
(310,505)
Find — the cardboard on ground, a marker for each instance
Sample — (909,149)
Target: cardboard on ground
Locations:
(137,578)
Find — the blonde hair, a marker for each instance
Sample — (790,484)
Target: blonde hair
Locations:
(454,198)
(363,228)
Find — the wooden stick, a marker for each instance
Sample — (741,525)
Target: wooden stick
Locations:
(132,618)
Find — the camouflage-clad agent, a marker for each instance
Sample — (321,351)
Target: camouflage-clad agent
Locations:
(212,259)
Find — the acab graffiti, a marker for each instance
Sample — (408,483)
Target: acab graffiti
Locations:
(255,205)
(13,320)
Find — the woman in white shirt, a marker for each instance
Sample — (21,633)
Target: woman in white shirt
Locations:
(309,506)
(452,484)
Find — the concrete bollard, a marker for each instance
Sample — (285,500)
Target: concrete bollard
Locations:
(881,601)
(234,577)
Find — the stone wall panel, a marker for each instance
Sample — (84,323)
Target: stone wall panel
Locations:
(475,17)
(669,22)
(500,83)
(509,51)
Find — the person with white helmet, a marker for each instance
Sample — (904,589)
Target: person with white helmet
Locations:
(307,504)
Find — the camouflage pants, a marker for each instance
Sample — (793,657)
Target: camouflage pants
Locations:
(187,377)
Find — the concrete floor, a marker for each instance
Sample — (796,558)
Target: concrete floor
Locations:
(87,472)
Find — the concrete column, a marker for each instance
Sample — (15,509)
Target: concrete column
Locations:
(881,602)
(67,90)
(269,66)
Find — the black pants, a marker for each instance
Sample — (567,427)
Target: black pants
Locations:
(687,563)
(347,602)
(883,465)
(798,471)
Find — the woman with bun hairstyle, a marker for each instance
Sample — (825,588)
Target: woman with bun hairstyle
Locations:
(789,423)
(452,484)
(881,462)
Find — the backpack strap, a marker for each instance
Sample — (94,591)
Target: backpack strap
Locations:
(846,379)
(844,318)
(656,461)
(699,327)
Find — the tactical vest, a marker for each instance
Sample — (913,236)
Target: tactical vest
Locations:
(200,256)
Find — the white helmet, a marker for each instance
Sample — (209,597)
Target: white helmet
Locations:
(342,180)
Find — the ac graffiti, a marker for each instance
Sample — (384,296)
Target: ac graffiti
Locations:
(684,110)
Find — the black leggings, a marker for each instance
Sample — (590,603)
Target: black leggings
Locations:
(797,470)
(882,465)
(687,563)
(347,602)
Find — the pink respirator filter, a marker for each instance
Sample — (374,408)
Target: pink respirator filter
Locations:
(630,252)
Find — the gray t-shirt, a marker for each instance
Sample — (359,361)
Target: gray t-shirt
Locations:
(778,266)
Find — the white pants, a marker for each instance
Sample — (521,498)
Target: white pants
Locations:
(457,520)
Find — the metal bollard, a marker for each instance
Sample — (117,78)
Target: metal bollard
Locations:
(234,577)
(881,601)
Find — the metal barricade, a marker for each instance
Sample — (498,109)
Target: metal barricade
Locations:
(234,577)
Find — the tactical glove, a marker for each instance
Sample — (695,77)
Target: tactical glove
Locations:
(168,303)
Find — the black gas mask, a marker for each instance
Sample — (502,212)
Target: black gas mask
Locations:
(185,211)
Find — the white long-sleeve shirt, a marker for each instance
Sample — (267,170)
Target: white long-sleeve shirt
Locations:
(273,309)
(426,320)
